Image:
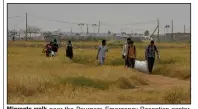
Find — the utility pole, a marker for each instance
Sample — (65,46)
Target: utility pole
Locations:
(172,30)
(94,25)
(158,29)
(87,29)
(71,30)
(99,27)
(184,29)
(26,29)
(81,24)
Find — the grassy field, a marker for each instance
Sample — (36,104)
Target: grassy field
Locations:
(33,78)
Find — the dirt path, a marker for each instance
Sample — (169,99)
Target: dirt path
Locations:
(159,81)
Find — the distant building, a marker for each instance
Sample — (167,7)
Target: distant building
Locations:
(178,37)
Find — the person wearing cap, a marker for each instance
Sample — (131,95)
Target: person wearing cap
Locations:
(150,55)
(124,52)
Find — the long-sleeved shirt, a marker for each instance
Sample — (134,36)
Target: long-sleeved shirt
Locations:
(124,49)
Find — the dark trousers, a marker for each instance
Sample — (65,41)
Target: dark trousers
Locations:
(69,54)
(47,53)
(131,62)
(150,64)
(126,62)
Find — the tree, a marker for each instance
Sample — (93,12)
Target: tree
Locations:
(47,35)
(146,33)
(32,29)
(77,34)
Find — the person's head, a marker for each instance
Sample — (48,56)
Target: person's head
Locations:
(51,42)
(69,41)
(103,42)
(55,40)
(152,42)
(128,40)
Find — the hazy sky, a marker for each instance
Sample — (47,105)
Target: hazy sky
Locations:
(113,17)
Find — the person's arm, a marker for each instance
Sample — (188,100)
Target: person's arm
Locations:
(123,50)
(135,51)
(126,51)
(146,53)
(156,50)
(98,52)
(44,48)
(57,45)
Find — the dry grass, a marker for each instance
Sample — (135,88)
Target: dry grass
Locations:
(33,78)
(110,43)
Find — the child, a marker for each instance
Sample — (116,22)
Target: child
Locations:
(69,50)
(102,49)
(48,49)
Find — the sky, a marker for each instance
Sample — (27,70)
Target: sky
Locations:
(128,18)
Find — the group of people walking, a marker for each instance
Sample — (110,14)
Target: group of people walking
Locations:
(129,53)
(51,49)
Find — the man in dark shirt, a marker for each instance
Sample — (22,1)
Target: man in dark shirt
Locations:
(69,50)
(55,47)
(150,55)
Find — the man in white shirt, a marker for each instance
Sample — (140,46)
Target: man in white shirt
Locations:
(124,52)
(102,49)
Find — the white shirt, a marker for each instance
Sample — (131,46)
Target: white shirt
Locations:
(103,50)
(124,49)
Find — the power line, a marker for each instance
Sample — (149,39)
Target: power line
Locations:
(59,21)
(129,24)
(52,20)
(14,17)
(148,22)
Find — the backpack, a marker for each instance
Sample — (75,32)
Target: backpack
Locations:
(131,51)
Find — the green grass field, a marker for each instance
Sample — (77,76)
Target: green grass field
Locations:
(33,78)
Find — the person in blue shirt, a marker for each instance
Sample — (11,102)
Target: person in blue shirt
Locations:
(150,55)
